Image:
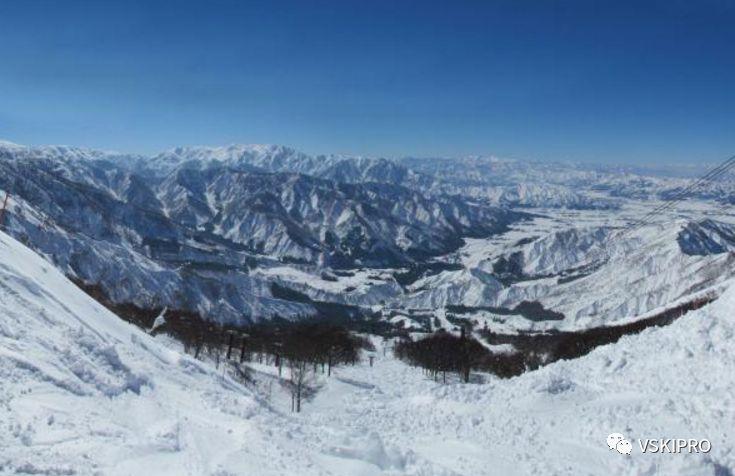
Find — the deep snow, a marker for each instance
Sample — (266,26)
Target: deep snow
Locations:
(83,392)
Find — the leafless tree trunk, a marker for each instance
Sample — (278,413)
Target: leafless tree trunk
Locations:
(230,341)
(299,380)
(242,350)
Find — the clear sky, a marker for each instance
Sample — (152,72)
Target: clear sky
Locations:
(589,80)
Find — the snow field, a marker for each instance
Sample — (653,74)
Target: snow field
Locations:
(85,393)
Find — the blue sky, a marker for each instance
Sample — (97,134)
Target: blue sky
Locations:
(631,82)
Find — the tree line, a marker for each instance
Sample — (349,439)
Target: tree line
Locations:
(304,348)
(442,352)
(536,349)
(301,348)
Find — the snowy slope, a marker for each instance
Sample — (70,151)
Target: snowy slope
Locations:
(670,382)
(594,276)
(84,393)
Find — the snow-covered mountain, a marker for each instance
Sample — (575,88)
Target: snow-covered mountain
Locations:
(513,183)
(85,393)
(245,233)
(494,181)
(274,158)
(163,240)
(267,158)
(568,185)
(591,276)
(584,277)
(211,230)
(308,219)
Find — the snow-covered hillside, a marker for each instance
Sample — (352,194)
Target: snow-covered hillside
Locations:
(84,393)
(671,382)
(589,274)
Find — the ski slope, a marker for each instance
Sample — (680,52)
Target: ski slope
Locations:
(84,393)
(674,382)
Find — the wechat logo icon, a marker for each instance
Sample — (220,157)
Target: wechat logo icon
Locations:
(617,442)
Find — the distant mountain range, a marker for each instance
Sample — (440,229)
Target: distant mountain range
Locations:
(211,229)
(185,227)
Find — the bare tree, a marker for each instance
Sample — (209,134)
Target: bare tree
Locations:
(300,379)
